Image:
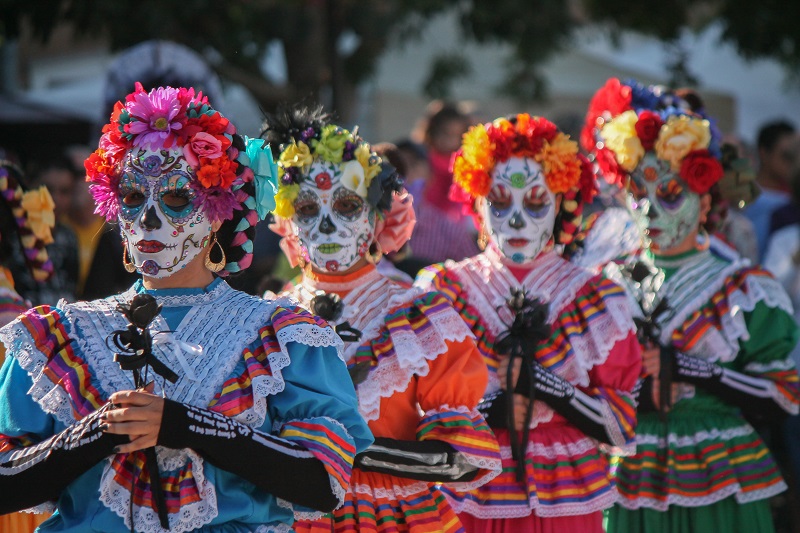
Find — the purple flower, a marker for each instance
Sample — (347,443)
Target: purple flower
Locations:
(307,135)
(217,204)
(152,165)
(290,175)
(155,117)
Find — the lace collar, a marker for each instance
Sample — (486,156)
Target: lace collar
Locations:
(188,297)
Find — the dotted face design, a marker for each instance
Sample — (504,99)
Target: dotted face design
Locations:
(662,203)
(520,210)
(334,224)
(161,226)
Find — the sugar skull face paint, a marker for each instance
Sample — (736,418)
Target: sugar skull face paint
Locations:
(663,203)
(158,219)
(334,223)
(519,210)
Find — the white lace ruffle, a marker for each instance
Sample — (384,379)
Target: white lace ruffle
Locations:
(395,492)
(614,234)
(703,501)
(51,398)
(695,439)
(192,516)
(273,528)
(487,512)
(42,508)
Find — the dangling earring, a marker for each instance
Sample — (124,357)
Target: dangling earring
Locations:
(483,239)
(129,265)
(374,257)
(212,266)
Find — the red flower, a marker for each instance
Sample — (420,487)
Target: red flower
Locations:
(609,168)
(587,184)
(215,124)
(700,170)
(323,181)
(609,101)
(219,172)
(647,128)
(332,266)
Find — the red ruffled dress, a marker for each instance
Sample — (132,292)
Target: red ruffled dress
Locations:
(593,346)
(425,380)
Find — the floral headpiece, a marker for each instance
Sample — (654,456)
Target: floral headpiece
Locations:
(166,118)
(484,145)
(625,120)
(333,144)
(34,218)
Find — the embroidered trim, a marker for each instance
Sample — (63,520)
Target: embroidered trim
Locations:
(394,492)
(703,501)
(697,438)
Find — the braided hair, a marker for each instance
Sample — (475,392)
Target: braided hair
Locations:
(14,220)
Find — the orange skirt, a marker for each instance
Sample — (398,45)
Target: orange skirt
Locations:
(21,522)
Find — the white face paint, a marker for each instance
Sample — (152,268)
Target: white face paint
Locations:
(158,220)
(662,203)
(520,210)
(334,224)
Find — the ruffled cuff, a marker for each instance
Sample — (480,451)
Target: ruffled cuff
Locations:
(330,443)
(467,432)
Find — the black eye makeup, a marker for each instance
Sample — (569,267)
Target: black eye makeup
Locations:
(671,195)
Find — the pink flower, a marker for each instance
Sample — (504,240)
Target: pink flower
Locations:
(104,191)
(155,117)
(204,144)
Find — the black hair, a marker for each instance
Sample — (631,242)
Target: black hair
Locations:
(289,123)
(771,133)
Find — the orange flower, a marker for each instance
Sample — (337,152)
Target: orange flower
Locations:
(560,162)
(217,172)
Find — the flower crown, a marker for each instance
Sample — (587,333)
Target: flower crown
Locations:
(333,144)
(165,118)
(626,120)
(484,145)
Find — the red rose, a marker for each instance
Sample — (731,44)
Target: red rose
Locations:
(610,100)
(700,170)
(332,266)
(609,168)
(323,180)
(647,128)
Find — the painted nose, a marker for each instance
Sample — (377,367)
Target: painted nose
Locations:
(651,213)
(150,220)
(326,225)
(517,221)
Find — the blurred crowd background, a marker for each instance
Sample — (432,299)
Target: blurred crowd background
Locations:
(414,73)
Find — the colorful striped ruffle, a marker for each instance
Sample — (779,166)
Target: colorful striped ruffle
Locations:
(467,432)
(329,441)
(64,368)
(385,504)
(565,475)
(710,456)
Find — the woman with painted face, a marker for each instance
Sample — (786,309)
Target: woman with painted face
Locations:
(240,411)
(558,340)
(716,332)
(417,372)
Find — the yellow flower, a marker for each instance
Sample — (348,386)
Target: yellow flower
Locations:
(353,178)
(619,135)
(330,145)
(39,208)
(560,163)
(284,200)
(369,162)
(681,135)
(296,155)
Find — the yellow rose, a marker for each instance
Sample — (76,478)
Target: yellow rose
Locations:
(284,200)
(296,155)
(619,135)
(681,135)
(353,178)
(371,169)
(39,208)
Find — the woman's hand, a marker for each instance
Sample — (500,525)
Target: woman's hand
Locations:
(521,409)
(502,371)
(136,414)
(651,360)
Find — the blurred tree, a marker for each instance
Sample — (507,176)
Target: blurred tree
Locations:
(332,45)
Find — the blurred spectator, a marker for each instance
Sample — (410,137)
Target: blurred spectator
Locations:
(777,153)
(58,176)
(442,231)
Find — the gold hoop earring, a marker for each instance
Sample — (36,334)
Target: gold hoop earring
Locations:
(212,266)
(377,255)
(129,265)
